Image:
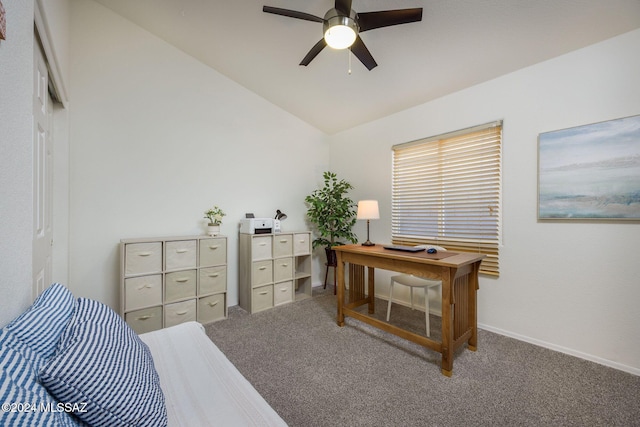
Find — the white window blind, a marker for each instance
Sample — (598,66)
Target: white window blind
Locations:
(447,191)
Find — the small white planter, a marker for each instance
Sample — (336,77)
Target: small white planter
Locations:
(213,230)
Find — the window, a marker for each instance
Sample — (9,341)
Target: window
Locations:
(446,191)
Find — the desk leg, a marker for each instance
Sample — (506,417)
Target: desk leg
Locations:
(474,285)
(372,291)
(447,323)
(340,274)
(447,341)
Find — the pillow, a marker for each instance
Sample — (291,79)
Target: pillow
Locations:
(29,403)
(100,361)
(41,326)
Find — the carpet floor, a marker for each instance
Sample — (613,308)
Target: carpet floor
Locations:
(314,373)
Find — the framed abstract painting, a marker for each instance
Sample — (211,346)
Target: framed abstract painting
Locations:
(590,172)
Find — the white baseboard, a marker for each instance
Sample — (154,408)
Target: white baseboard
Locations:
(565,350)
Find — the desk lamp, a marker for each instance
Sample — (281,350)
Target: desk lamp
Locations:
(279,217)
(368,209)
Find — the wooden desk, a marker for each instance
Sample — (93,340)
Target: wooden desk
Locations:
(459,275)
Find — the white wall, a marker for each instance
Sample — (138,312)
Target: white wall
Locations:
(157,138)
(16,204)
(565,285)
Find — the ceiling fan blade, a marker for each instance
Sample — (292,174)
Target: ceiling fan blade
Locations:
(291,13)
(385,18)
(315,50)
(362,53)
(343,6)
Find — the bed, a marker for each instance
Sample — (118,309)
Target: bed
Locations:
(201,386)
(75,362)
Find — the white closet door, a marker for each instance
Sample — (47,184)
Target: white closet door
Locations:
(42,174)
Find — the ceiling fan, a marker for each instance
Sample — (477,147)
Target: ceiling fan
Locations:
(342,25)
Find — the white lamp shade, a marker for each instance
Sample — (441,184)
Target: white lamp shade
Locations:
(368,209)
(340,36)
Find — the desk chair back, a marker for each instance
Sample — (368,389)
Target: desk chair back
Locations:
(415,282)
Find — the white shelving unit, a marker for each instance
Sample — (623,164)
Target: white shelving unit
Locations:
(275,269)
(170,280)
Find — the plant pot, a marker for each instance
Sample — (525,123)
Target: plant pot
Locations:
(332,260)
(213,230)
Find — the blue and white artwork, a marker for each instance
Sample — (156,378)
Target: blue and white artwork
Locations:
(590,171)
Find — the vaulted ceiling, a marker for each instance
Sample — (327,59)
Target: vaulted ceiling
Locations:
(458,43)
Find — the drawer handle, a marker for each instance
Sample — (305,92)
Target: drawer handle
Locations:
(285,265)
(284,290)
(183,280)
(145,253)
(148,286)
(181,251)
(262,268)
(182,313)
(264,293)
(214,247)
(284,240)
(145,317)
(263,244)
(214,275)
(213,304)
(302,241)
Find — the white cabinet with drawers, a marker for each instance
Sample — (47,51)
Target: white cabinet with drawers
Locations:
(171,280)
(275,269)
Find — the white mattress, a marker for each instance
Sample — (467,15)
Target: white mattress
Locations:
(201,386)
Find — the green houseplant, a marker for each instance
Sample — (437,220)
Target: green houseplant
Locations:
(332,213)
(214,216)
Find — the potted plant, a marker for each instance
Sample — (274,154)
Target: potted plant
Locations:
(214,216)
(333,214)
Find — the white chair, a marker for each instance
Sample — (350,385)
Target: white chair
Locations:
(415,282)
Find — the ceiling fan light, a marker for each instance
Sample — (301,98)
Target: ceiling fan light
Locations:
(340,31)
(340,36)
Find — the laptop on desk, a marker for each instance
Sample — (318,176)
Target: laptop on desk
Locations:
(405,248)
